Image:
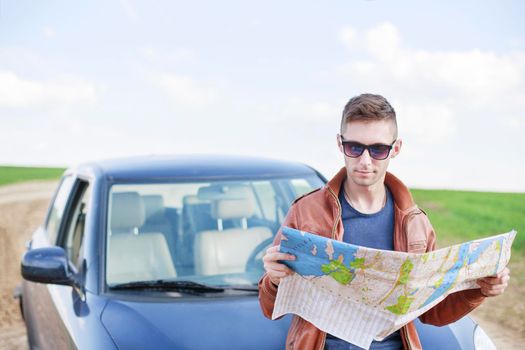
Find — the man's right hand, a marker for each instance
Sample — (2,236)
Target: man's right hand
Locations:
(273,268)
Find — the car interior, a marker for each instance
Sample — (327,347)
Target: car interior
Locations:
(213,232)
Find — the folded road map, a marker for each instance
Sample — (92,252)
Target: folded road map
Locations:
(360,294)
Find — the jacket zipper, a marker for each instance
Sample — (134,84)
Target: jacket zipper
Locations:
(299,327)
(405,333)
(332,237)
(338,212)
(404,225)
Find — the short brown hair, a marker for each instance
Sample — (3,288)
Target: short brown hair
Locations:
(368,107)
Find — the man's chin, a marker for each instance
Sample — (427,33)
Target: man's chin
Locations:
(364,182)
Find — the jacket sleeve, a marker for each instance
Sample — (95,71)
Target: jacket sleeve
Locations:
(455,305)
(268,290)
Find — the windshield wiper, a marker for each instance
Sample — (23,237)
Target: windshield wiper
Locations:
(182,286)
(247,287)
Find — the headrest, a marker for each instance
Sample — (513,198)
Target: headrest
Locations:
(232,208)
(215,192)
(191,199)
(209,193)
(127,210)
(153,205)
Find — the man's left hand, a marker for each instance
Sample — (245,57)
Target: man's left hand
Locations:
(494,285)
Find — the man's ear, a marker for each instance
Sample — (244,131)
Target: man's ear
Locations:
(396,148)
(339,145)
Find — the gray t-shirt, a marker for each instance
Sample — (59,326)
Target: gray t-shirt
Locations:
(373,231)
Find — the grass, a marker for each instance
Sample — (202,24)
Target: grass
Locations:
(459,216)
(12,174)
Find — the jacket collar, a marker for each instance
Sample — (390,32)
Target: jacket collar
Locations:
(402,197)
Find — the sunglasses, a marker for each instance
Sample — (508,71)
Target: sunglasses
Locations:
(377,151)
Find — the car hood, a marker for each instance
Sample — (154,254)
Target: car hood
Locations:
(193,323)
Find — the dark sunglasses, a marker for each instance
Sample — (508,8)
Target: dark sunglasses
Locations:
(377,151)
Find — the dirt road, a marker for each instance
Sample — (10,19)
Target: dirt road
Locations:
(23,208)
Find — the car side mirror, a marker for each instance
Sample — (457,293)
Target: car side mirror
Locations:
(47,265)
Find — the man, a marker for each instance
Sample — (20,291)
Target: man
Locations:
(366,205)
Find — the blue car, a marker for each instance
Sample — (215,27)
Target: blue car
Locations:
(165,253)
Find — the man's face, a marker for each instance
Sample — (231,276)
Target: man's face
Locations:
(365,170)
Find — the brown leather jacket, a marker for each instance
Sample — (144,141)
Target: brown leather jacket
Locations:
(320,212)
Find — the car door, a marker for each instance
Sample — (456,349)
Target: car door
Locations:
(54,307)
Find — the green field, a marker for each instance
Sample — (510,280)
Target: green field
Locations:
(460,215)
(457,216)
(12,174)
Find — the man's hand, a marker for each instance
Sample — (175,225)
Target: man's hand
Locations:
(274,269)
(494,285)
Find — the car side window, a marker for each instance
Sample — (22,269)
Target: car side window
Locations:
(75,224)
(266,196)
(301,186)
(56,212)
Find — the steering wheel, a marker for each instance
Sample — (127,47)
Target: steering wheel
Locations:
(254,261)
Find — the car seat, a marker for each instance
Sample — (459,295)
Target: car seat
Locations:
(131,255)
(223,251)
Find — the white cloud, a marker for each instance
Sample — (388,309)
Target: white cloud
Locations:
(186,91)
(468,73)
(178,55)
(431,123)
(384,41)
(129,10)
(310,111)
(437,90)
(348,35)
(471,74)
(16,92)
(298,111)
(515,124)
(70,140)
(515,42)
(48,32)
(449,103)
(21,58)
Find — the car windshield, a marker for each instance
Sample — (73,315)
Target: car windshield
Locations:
(212,233)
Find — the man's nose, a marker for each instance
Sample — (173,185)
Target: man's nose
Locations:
(365,158)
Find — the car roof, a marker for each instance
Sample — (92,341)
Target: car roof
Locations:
(167,167)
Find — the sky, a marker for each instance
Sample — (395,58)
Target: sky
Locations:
(82,81)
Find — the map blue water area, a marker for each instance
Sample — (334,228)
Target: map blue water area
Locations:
(310,251)
(451,275)
(464,258)
(481,248)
